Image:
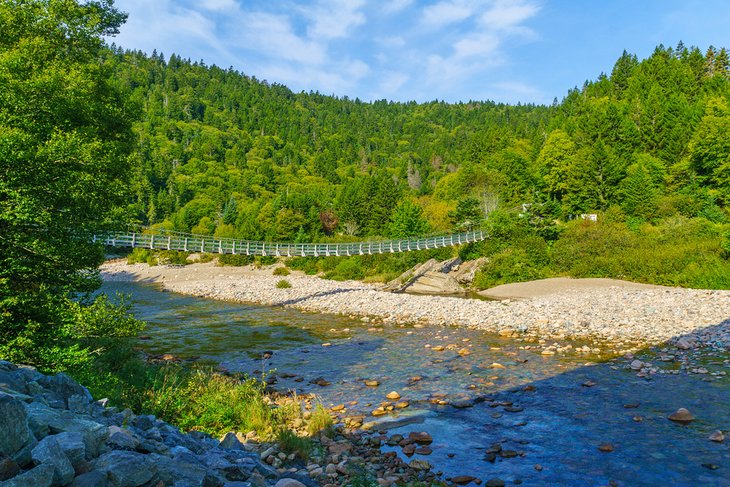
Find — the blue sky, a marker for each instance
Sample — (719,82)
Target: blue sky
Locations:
(528,51)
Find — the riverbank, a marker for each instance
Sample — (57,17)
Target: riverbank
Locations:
(617,314)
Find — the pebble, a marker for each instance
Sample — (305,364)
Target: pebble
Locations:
(393,396)
(682,415)
(420,437)
(605,447)
(717,436)
(463,479)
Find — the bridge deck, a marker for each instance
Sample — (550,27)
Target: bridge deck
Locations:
(282,249)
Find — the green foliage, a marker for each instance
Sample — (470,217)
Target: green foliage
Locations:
(281,271)
(139,256)
(65,139)
(407,221)
(236,260)
(677,252)
(467,215)
(283,284)
(349,268)
(103,319)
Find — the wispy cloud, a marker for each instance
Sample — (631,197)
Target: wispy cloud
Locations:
(332,19)
(219,5)
(447,12)
(400,49)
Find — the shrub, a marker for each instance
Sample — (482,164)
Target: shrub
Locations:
(173,257)
(235,260)
(138,256)
(283,284)
(281,271)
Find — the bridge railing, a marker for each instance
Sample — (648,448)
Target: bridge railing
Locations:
(282,249)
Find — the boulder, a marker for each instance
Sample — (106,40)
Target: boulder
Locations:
(90,479)
(65,387)
(12,381)
(126,468)
(48,451)
(16,436)
(289,483)
(40,476)
(230,442)
(72,444)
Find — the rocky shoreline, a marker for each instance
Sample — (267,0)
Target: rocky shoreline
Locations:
(54,434)
(624,317)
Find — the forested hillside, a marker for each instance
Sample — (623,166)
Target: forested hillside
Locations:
(643,147)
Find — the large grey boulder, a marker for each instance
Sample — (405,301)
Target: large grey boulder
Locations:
(12,381)
(72,444)
(40,476)
(91,479)
(49,452)
(44,420)
(16,438)
(126,468)
(65,387)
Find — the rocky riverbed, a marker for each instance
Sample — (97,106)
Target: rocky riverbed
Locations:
(623,317)
(497,409)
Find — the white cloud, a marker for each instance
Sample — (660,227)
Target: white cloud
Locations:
(332,19)
(274,35)
(219,5)
(395,6)
(506,14)
(484,45)
(447,12)
(390,84)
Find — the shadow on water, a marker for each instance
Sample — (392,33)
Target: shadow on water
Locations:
(548,414)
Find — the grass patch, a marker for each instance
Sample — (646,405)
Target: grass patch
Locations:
(207,401)
(281,271)
(283,284)
(290,442)
(320,422)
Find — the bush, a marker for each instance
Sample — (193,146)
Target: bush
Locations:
(172,257)
(139,256)
(262,260)
(348,268)
(235,260)
(283,284)
(281,271)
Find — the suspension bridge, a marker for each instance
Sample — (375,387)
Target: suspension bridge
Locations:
(209,244)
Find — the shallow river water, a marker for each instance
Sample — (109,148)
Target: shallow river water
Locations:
(562,407)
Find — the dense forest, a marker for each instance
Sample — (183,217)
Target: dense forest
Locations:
(226,154)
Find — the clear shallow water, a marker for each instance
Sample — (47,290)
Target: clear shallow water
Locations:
(561,423)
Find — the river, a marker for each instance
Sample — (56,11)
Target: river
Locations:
(550,412)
